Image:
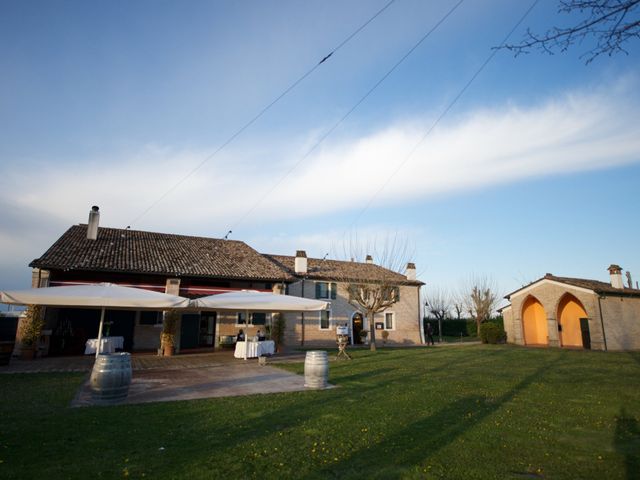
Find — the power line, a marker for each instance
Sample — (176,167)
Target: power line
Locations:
(444,112)
(346,115)
(261,113)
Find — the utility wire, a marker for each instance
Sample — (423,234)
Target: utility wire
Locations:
(346,115)
(442,115)
(260,113)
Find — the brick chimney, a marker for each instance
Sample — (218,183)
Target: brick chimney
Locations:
(615,271)
(300,265)
(369,259)
(410,272)
(94,221)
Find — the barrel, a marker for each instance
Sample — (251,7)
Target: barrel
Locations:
(111,377)
(316,369)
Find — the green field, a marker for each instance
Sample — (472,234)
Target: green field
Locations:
(459,412)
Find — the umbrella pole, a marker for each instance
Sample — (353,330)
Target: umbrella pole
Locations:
(246,334)
(100,332)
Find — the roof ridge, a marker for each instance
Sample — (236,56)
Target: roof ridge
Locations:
(167,234)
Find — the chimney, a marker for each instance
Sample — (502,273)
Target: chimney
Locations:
(94,220)
(410,273)
(615,271)
(300,265)
(369,259)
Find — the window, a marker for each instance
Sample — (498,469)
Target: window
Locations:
(325,316)
(389,323)
(150,318)
(326,290)
(258,318)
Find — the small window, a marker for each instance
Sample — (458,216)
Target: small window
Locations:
(322,290)
(241,319)
(388,321)
(258,318)
(150,318)
(325,316)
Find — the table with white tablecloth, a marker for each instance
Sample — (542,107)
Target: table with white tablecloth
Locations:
(107,345)
(255,349)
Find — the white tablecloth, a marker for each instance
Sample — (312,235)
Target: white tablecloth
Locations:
(256,349)
(107,345)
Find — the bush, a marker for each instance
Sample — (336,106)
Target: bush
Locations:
(492,332)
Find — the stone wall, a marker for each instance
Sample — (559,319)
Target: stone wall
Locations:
(406,318)
(620,315)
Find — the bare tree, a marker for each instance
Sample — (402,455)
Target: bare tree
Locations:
(438,303)
(611,23)
(381,289)
(482,299)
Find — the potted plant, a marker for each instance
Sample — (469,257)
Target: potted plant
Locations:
(168,335)
(385,335)
(31,330)
(363,335)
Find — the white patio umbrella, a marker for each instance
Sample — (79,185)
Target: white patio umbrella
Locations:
(258,301)
(102,295)
(251,300)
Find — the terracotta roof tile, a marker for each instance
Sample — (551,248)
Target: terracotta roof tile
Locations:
(319,269)
(118,250)
(595,285)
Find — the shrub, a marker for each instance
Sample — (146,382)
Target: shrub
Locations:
(278,326)
(492,332)
(32,326)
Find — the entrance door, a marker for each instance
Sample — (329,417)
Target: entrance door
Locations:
(586,336)
(189,330)
(357,327)
(207,329)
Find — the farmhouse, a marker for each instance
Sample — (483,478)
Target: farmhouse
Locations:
(575,313)
(198,266)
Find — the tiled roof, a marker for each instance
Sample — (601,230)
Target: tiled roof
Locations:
(319,269)
(603,288)
(118,250)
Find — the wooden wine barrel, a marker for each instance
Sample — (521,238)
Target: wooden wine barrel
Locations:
(316,369)
(111,377)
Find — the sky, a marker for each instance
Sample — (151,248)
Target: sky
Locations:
(534,169)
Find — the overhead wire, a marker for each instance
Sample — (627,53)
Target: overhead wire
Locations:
(443,114)
(324,136)
(261,113)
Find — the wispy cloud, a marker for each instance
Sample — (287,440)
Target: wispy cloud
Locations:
(573,132)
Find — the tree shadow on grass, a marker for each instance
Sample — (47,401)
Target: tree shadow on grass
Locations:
(627,443)
(411,446)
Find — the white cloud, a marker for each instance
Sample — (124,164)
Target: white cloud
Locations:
(574,132)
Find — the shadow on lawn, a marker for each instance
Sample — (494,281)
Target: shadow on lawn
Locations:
(422,439)
(627,443)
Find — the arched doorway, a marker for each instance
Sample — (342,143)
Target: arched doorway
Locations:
(534,323)
(357,325)
(570,311)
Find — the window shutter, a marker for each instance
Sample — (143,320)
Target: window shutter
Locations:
(334,289)
(318,290)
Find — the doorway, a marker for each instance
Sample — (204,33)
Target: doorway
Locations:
(357,325)
(207,329)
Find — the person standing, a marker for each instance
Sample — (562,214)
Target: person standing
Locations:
(429,334)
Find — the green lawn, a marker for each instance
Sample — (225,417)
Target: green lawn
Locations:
(459,412)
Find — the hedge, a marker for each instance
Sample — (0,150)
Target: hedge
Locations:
(453,328)
(492,332)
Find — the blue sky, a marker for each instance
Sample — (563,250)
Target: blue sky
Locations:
(536,169)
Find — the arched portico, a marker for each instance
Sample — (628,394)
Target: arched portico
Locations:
(570,311)
(534,322)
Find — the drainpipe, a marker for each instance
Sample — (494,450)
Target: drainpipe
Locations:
(302,318)
(604,336)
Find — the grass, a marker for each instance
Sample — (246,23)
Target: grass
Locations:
(461,412)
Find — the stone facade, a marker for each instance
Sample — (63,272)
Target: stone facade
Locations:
(406,319)
(620,315)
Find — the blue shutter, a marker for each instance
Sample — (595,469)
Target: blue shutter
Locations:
(334,289)
(317,289)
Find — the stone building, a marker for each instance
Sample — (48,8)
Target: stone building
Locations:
(575,313)
(198,266)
